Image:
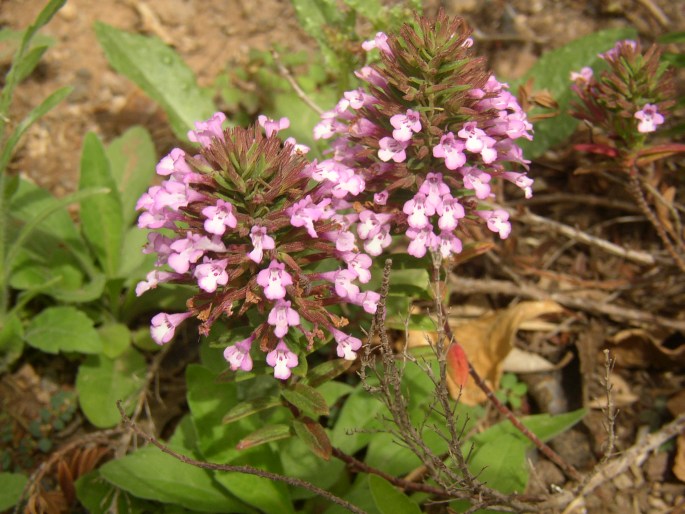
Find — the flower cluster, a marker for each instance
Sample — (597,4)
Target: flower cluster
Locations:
(630,98)
(241,222)
(416,148)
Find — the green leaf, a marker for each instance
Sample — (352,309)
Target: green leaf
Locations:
(148,473)
(132,160)
(48,210)
(306,398)
(45,106)
(101,216)
(326,371)
(101,497)
(11,487)
(63,329)
(388,499)
(11,341)
(370,9)
(134,263)
(552,71)
(358,413)
(160,72)
(29,62)
(248,407)
(499,454)
(264,494)
(300,462)
(264,435)
(116,338)
(102,381)
(313,435)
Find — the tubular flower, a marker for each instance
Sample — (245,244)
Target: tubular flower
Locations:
(243,221)
(628,100)
(433,132)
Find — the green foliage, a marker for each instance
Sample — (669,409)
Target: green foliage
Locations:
(388,499)
(63,329)
(160,72)
(499,454)
(102,381)
(11,488)
(551,72)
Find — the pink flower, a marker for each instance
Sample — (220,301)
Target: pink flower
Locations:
(478,142)
(347,345)
(378,242)
(238,355)
(521,180)
(359,264)
(211,274)
(450,211)
(649,119)
(272,127)
(342,282)
(219,217)
(381,198)
(163,326)
(405,125)
(368,300)
(173,164)
(451,150)
(478,180)
(434,188)
(305,212)
(283,316)
(583,76)
(260,241)
(417,210)
(274,280)
(358,98)
(190,249)
(206,131)
(390,148)
(497,221)
(152,280)
(298,148)
(282,360)
(422,240)
(370,223)
(380,42)
(448,244)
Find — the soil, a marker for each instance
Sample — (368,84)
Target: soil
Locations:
(215,35)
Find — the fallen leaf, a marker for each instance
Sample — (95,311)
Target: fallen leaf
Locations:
(679,463)
(638,348)
(521,361)
(486,342)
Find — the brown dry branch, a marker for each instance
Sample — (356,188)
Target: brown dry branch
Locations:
(633,456)
(285,73)
(247,470)
(453,483)
(576,234)
(635,189)
(609,411)
(530,291)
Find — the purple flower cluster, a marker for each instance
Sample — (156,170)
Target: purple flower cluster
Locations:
(407,156)
(630,98)
(241,221)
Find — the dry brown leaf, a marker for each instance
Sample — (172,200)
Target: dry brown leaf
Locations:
(521,361)
(637,348)
(679,463)
(487,341)
(676,404)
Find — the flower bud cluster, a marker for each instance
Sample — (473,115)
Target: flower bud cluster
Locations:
(630,98)
(416,148)
(241,222)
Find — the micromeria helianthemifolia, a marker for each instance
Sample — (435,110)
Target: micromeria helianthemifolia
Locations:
(628,100)
(415,149)
(243,222)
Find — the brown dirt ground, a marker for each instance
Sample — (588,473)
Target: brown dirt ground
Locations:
(212,35)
